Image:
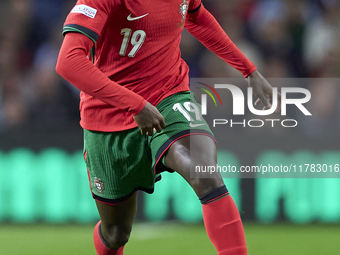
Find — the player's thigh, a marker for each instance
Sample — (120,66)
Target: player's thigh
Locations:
(185,141)
(183,118)
(190,152)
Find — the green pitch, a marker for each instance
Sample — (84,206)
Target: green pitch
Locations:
(166,239)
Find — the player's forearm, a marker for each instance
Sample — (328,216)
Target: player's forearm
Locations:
(206,29)
(74,66)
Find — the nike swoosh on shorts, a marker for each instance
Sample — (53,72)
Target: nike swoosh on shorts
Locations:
(196,125)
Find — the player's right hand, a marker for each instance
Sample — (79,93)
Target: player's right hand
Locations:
(149,119)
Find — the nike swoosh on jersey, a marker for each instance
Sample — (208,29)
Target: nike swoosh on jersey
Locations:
(129,18)
(196,125)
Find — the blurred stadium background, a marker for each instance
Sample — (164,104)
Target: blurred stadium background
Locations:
(45,204)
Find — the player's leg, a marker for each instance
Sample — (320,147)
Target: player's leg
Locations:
(179,158)
(113,231)
(221,217)
(118,164)
(185,128)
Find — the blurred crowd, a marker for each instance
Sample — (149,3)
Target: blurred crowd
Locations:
(284,38)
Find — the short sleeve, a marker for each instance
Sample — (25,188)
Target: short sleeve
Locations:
(88,17)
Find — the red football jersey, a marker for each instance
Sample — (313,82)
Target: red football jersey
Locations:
(137,46)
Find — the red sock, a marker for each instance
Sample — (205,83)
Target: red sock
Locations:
(224,226)
(101,245)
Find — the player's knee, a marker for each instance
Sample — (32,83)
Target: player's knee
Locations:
(117,237)
(203,186)
(208,181)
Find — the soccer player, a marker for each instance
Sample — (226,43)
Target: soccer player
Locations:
(137,112)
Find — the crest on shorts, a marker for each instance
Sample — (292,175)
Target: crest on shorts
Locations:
(99,185)
(183,9)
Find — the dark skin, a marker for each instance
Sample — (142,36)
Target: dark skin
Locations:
(117,220)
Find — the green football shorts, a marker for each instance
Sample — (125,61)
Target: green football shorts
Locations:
(119,163)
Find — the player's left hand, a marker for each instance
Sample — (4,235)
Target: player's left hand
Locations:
(263,90)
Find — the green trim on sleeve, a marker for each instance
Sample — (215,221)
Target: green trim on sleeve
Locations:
(80,29)
(93,53)
(67,30)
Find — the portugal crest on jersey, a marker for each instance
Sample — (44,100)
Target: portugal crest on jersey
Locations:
(99,185)
(183,9)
